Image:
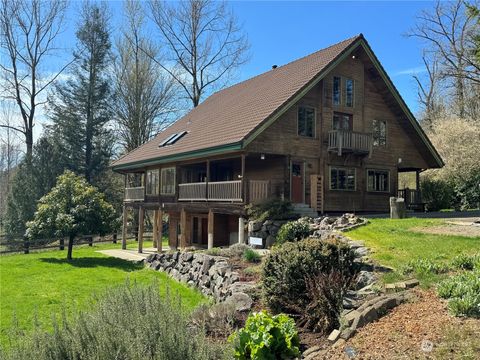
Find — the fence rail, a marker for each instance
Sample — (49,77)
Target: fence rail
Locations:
(135,193)
(192,191)
(213,191)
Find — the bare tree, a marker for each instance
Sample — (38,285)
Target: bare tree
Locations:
(143,91)
(28,30)
(449,32)
(205,44)
(428,91)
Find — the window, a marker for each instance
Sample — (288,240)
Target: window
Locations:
(379,132)
(336,90)
(167,186)
(342,121)
(152,182)
(378,180)
(349,92)
(306,121)
(172,139)
(342,179)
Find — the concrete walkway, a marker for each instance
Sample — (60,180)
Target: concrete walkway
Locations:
(129,254)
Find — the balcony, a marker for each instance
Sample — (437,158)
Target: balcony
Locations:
(342,141)
(135,194)
(223,191)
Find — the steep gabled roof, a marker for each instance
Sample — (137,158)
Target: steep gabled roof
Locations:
(234,116)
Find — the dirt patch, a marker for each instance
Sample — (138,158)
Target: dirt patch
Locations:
(402,333)
(450,229)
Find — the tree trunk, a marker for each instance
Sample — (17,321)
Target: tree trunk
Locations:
(70,247)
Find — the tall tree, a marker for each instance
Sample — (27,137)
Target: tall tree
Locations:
(80,107)
(28,32)
(449,32)
(143,92)
(204,42)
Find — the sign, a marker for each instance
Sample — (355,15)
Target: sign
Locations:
(255,241)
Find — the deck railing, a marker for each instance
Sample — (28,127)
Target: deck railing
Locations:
(192,191)
(135,193)
(225,190)
(412,197)
(258,190)
(351,141)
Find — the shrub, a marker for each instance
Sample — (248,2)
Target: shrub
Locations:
(266,337)
(293,231)
(466,262)
(275,209)
(251,255)
(437,194)
(127,323)
(253,270)
(216,320)
(236,250)
(216,251)
(325,292)
(463,293)
(424,266)
(288,266)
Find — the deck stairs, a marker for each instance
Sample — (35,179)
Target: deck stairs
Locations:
(304,210)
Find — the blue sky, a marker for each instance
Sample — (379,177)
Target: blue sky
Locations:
(282,31)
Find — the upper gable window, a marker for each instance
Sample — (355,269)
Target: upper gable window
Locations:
(306,121)
(349,98)
(379,133)
(337,90)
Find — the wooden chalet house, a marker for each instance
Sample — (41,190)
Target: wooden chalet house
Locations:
(328,131)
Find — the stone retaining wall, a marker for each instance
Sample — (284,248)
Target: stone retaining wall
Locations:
(267,230)
(212,275)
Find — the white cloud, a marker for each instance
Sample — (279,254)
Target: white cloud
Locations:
(410,71)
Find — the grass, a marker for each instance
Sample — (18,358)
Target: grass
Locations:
(38,285)
(395,244)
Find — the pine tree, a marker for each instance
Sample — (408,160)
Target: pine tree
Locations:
(80,109)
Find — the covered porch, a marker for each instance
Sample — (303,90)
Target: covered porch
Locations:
(409,188)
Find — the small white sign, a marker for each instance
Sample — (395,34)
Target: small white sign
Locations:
(255,241)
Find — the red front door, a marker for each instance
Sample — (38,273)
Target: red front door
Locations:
(297,182)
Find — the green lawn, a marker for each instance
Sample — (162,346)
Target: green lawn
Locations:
(41,284)
(394,244)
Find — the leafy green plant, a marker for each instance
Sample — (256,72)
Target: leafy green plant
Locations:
(424,266)
(274,209)
(293,231)
(466,262)
(252,256)
(287,267)
(437,194)
(266,337)
(463,293)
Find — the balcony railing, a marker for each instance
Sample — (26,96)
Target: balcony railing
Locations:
(258,190)
(135,193)
(225,190)
(349,141)
(192,191)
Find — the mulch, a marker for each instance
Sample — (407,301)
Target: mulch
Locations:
(407,332)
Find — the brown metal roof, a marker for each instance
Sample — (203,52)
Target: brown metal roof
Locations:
(230,115)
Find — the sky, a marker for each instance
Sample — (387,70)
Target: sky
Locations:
(282,31)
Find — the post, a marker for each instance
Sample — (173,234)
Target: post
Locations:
(155,228)
(183,228)
(114,238)
(243,195)
(208,179)
(159,221)
(90,240)
(124,228)
(62,243)
(211,219)
(140,228)
(26,245)
(418,197)
(241,230)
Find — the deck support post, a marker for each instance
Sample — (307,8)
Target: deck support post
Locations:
(243,194)
(241,230)
(417,186)
(124,228)
(141,211)
(155,228)
(159,221)
(211,226)
(183,228)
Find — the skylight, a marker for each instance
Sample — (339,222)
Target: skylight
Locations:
(172,139)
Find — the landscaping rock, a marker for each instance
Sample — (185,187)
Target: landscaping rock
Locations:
(365,278)
(242,301)
(334,335)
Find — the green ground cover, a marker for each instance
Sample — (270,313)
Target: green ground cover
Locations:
(396,243)
(40,285)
